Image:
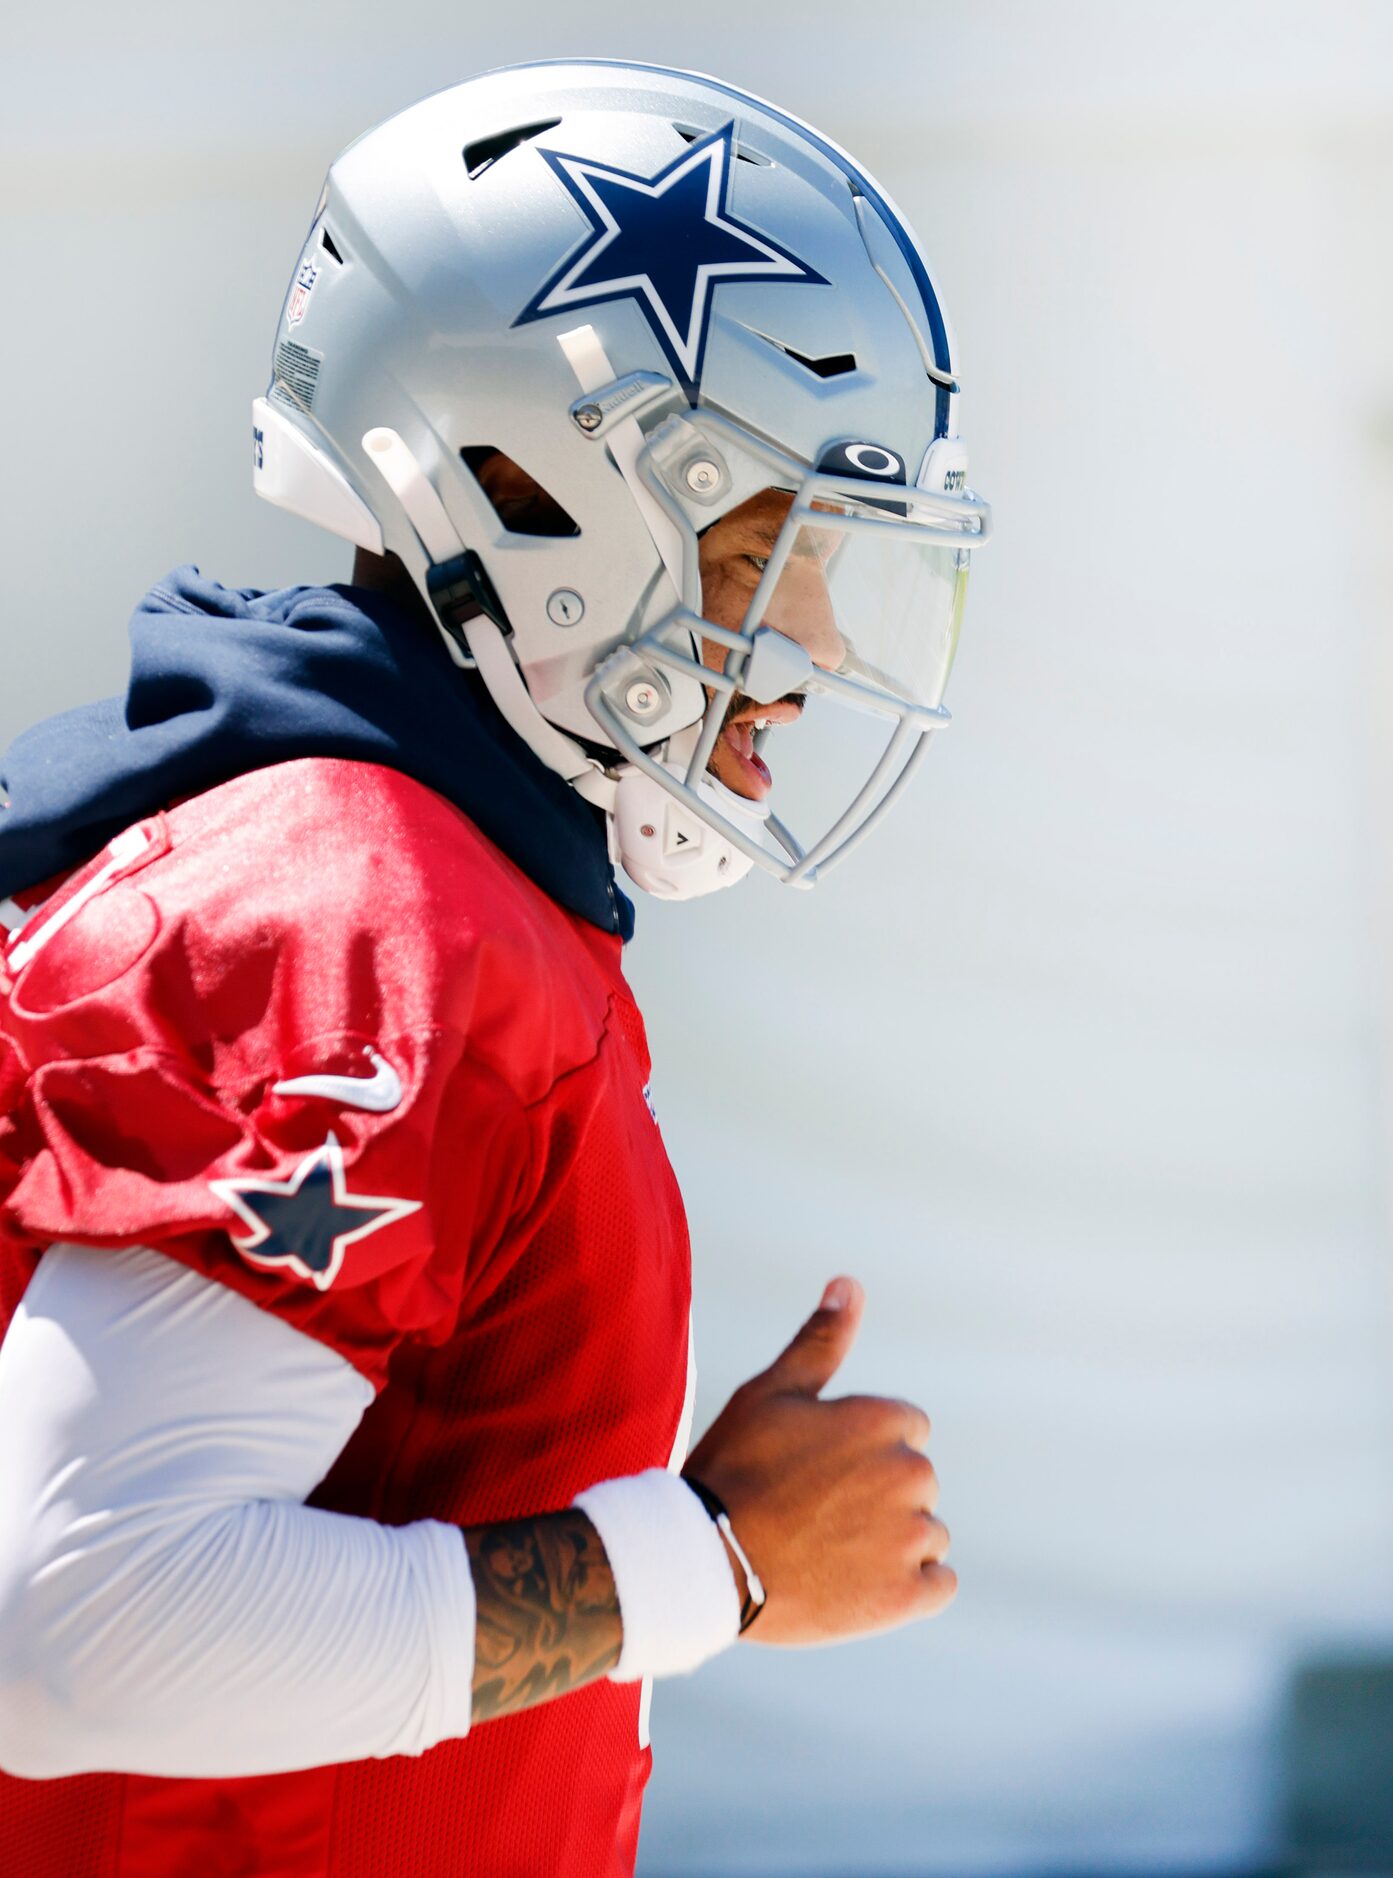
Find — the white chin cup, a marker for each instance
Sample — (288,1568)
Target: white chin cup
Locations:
(670,852)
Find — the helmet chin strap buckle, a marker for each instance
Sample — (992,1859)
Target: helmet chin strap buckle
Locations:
(467,605)
(460,590)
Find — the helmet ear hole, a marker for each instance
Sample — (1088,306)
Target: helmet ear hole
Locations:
(522,505)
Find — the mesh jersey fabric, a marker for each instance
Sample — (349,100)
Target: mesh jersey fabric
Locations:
(525,1325)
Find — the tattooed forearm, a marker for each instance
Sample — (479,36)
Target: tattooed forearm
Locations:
(548,1618)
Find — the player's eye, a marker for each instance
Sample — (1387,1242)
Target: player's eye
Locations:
(758,561)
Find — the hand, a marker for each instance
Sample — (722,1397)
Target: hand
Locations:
(832,1501)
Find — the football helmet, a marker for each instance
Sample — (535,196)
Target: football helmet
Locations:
(659,298)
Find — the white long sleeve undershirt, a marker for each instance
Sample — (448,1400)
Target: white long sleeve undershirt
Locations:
(167,1603)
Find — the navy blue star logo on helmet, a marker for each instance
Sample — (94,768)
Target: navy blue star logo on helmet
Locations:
(305,1224)
(666,242)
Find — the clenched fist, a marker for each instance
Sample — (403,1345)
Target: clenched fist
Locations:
(832,1501)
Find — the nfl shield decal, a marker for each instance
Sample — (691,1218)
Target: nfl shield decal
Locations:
(306,276)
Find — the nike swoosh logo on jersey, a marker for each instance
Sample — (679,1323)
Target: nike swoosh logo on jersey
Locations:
(379,1093)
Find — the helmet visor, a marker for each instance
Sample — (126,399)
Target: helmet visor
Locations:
(824,681)
(873,598)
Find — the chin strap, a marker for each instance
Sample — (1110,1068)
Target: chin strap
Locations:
(499,671)
(663,847)
(487,647)
(668,850)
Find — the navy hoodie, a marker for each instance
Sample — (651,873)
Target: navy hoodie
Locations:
(226,680)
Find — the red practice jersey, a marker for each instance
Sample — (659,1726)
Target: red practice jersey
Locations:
(314,1036)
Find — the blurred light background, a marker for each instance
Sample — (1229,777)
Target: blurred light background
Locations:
(1085,1065)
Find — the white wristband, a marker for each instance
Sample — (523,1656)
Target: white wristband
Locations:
(676,1589)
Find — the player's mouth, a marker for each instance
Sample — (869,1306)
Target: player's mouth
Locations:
(735,761)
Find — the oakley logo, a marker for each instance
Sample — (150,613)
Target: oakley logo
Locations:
(379,1093)
(872,460)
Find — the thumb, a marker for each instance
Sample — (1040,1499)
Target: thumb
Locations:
(817,1352)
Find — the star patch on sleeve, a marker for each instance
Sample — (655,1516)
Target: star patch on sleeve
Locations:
(306,1224)
(664,241)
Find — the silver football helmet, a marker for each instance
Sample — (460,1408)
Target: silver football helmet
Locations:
(659,298)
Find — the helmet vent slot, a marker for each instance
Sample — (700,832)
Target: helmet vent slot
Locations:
(485,151)
(831,365)
(743,154)
(519,501)
(326,241)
